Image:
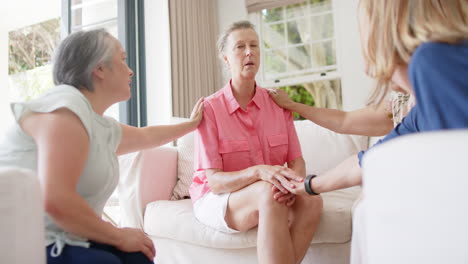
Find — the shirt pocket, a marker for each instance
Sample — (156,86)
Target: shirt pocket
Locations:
(278,148)
(235,154)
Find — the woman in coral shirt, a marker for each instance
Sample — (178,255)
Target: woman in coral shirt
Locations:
(241,147)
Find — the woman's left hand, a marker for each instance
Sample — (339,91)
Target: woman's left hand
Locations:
(298,189)
(197,113)
(287,198)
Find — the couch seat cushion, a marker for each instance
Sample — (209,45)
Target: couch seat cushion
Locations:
(175,220)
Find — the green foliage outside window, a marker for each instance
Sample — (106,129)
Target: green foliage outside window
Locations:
(30,52)
(299,94)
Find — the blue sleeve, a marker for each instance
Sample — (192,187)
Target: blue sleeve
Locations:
(438,75)
(407,126)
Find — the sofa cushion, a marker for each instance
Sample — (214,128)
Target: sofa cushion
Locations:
(185,152)
(175,220)
(323,149)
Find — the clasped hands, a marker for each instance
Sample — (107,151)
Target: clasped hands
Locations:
(286,183)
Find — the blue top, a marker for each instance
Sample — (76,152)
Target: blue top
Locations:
(438,73)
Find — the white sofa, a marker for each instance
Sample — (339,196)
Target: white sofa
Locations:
(415,200)
(21,217)
(147,183)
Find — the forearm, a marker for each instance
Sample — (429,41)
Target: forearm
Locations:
(74,215)
(162,134)
(223,182)
(329,118)
(368,121)
(346,174)
(136,139)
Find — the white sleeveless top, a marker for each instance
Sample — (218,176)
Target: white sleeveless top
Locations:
(101,173)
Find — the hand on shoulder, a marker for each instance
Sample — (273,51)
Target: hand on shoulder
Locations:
(281,98)
(197,113)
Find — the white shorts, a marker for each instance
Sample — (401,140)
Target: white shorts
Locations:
(210,210)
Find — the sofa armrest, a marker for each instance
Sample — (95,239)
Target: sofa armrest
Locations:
(22,217)
(145,176)
(414,192)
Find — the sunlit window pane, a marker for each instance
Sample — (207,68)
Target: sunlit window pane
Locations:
(318,6)
(274,35)
(322,27)
(298,40)
(272,15)
(275,61)
(93,12)
(298,31)
(30,53)
(298,58)
(323,54)
(298,49)
(297,10)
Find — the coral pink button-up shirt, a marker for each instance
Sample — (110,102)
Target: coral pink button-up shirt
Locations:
(232,139)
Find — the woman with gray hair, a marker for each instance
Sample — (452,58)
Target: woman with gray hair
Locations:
(64,137)
(241,147)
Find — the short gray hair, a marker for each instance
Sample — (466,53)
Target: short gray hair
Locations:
(222,41)
(79,54)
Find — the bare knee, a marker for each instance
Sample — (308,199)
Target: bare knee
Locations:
(264,193)
(310,206)
(243,214)
(266,201)
(315,203)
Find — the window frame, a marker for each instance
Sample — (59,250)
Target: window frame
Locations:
(320,74)
(130,26)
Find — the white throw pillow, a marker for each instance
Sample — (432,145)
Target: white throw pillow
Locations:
(323,149)
(185,151)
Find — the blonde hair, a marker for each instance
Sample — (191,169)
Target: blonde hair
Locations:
(398,27)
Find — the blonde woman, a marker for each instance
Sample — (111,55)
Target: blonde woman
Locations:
(428,37)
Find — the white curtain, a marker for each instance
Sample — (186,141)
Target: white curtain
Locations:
(194,56)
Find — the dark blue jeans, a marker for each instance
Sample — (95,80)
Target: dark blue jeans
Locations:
(96,254)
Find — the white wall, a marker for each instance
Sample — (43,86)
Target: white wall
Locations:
(5,114)
(355,85)
(230,11)
(158,62)
(13,15)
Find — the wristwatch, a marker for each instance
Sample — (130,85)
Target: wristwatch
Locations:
(307,186)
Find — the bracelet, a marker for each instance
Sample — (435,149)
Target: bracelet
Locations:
(307,186)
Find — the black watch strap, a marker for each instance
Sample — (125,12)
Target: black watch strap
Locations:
(307,186)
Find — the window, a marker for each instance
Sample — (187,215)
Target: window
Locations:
(124,20)
(298,50)
(30,51)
